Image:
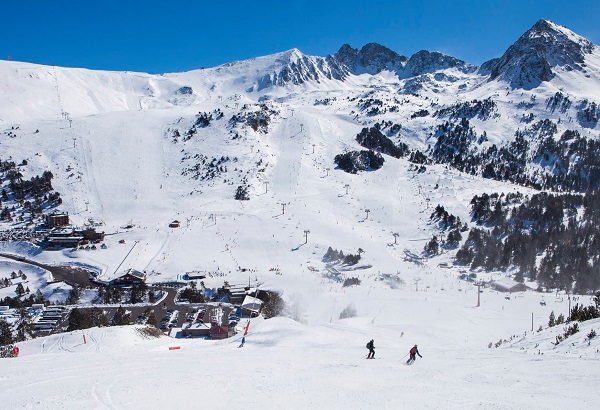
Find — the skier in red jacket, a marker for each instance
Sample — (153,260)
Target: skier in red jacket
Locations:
(413,353)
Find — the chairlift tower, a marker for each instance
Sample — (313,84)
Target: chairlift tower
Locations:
(479,285)
(306,232)
(417,280)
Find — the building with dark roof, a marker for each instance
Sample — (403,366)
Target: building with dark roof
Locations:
(56,220)
(130,277)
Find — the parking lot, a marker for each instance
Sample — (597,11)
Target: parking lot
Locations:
(186,316)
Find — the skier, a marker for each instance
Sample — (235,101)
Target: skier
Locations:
(413,352)
(371,347)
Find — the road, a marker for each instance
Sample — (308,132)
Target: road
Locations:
(75,276)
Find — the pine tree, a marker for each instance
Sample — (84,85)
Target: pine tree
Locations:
(151,296)
(24,327)
(73,297)
(78,319)
(551,320)
(138,293)
(97,317)
(274,305)
(20,291)
(134,295)
(454,238)
(432,246)
(120,318)
(150,317)
(6,336)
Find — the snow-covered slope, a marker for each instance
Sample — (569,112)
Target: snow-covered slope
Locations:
(286,364)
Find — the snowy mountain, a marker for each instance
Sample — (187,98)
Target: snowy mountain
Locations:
(543,51)
(424,62)
(372,58)
(405,175)
(184,140)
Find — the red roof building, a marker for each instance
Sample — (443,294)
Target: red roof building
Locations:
(221,332)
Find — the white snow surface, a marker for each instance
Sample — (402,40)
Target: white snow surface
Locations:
(290,365)
(115,162)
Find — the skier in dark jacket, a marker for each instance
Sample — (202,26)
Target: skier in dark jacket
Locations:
(371,347)
(413,353)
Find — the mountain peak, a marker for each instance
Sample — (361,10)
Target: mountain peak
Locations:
(544,25)
(542,51)
(293,53)
(292,67)
(427,62)
(371,58)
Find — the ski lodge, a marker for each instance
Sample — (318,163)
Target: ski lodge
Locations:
(218,331)
(196,330)
(130,277)
(508,285)
(251,306)
(57,220)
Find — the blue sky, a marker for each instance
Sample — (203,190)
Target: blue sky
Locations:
(168,36)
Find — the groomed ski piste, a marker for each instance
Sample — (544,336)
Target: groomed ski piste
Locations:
(114,162)
(292,365)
